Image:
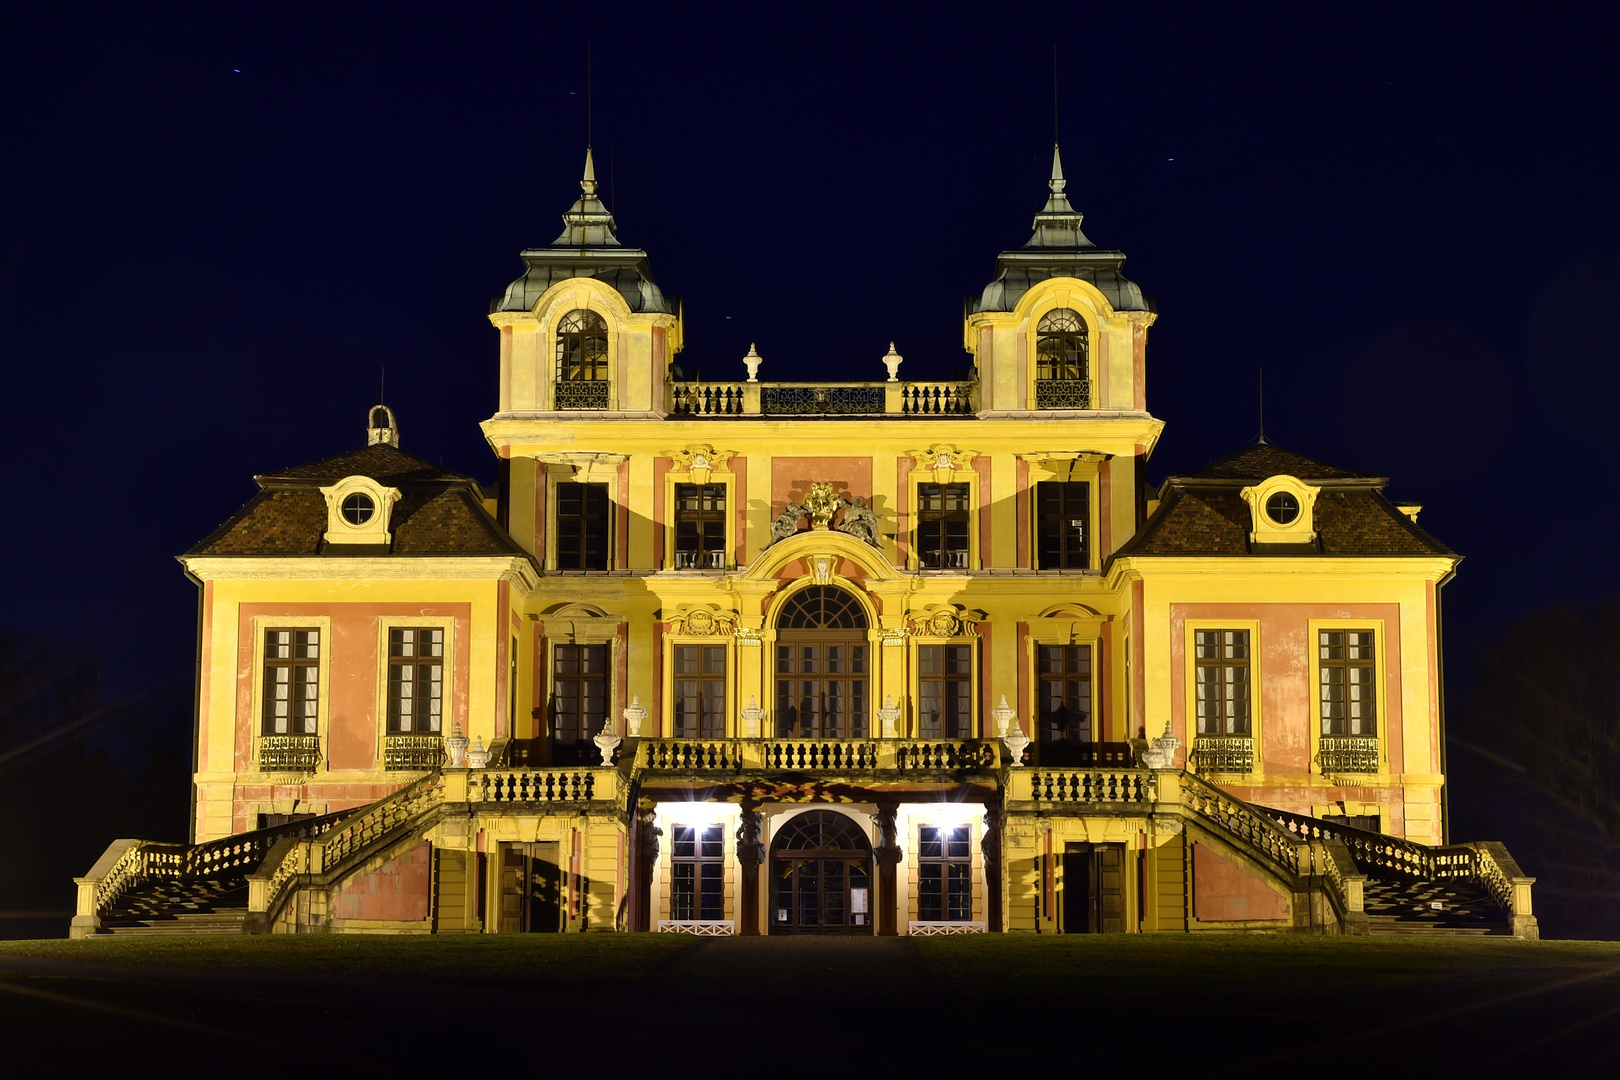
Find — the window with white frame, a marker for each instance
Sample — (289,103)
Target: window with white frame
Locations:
(697,873)
(944,874)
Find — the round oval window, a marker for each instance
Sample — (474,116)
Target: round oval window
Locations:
(358,508)
(1282,508)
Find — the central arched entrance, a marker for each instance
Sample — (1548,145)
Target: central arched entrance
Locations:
(821,876)
(823,670)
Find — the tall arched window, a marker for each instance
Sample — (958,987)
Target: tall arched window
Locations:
(582,361)
(822,666)
(1062,367)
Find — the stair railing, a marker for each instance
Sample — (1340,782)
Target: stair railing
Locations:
(1237,818)
(1500,874)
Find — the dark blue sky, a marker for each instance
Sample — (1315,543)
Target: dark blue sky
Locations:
(218,223)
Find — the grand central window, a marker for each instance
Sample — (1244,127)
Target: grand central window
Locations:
(945,680)
(700,691)
(1065,704)
(1062,366)
(582,361)
(943,520)
(700,526)
(822,666)
(1062,509)
(582,526)
(579,702)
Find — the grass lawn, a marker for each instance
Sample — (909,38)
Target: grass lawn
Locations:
(1219,1004)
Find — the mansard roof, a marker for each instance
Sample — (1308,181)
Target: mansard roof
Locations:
(1058,249)
(588,247)
(439,512)
(1203,512)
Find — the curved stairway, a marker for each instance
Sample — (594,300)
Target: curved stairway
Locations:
(1449,908)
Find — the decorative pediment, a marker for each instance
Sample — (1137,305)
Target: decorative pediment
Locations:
(702,621)
(945,459)
(700,460)
(947,620)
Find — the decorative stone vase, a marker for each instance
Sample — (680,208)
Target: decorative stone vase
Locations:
(455,749)
(821,504)
(607,741)
(1162,754)
(889,715)
(892,361)
(752,362)
(478,757)
(634,716)
(1016,742)
(1003,716)
(751,718)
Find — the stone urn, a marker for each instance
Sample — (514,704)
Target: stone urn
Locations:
(607,741)
(889,716)
(478,757)
(455,749)
(1012,736)
(751,718)
(892,361)
(1162,754)
(635,714)
(752,362)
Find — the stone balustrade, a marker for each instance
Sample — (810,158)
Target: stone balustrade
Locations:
(721,399)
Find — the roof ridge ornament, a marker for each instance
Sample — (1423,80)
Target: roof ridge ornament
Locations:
(1058,223)
(381,427)
(588,223)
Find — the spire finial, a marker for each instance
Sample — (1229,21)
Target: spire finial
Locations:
(588,183)
(1057,183)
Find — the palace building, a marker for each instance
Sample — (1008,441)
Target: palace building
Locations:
(760,657)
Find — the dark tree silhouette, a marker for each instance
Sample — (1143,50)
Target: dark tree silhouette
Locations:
(1544,720)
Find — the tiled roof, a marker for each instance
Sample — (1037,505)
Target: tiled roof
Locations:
(1262,460)
(438,512)
(1210,517)
(383,463)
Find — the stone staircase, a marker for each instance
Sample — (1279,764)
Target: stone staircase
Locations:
(168,906)
(1449,908)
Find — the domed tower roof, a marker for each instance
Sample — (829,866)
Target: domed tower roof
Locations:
(588,247)
(1058,249)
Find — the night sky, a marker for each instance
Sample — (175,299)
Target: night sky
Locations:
(219,223)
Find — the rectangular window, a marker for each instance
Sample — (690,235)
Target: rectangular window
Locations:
(700,526)
(292,681)
(1347,665)
(582,526)
(1063,540)
(415,680)
(579,702)
(700,691)
(1223,682)
(946,685)
(697,873)
(821,691)
(943,520)
(1064,672)
(944,882)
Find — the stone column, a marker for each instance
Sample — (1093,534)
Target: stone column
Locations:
(750,857)
(887,855)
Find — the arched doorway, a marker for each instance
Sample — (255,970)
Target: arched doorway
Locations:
(821,876)
(823,666)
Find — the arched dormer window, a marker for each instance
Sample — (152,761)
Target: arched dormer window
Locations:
(582,361)
(1062,365)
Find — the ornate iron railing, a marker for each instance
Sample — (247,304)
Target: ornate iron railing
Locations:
(1223,754)
(802,399)
(1063,393)
(582,395)
(413,751)
(1348,754)
(1253,825)
(289,753)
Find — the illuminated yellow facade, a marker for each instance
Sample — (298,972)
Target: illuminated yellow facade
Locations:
(893,657)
